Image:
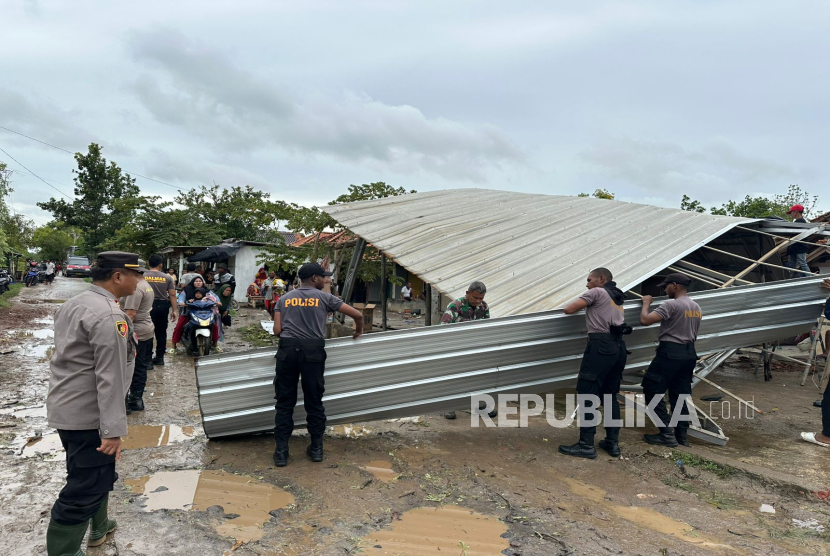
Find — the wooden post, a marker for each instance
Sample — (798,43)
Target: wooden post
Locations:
(428,299)
(383,291)
(351,274)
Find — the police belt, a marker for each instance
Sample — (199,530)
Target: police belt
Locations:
(688,347)
(601,336)
(303,342)
(160,302)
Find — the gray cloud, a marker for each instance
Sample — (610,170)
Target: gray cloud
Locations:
(197,88)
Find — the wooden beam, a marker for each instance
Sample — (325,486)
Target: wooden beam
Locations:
(752,266)
(351,274)
(703,270)
(383,292)
(728,393)
(696,276)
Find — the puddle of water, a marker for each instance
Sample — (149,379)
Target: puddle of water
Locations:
(646,517)
(439,531)
(152,436)
(246,498)
(349,431)
(39,334)
(45,320)
(382,470)
(48,446)
(20,412)
(39,352)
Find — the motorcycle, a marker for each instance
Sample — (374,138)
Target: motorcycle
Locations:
(196,336)
(5,281)
(32,277)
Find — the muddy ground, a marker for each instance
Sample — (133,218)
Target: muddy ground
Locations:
(414,486)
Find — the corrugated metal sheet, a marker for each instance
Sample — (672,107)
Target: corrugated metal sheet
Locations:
(533,252)
(412,372)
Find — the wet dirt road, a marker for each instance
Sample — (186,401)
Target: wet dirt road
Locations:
(413,486)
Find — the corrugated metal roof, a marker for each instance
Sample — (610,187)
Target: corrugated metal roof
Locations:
(533,252)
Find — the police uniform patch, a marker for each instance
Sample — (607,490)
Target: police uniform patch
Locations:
(121,327)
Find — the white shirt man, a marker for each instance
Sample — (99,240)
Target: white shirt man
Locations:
(50,267)
(406,292)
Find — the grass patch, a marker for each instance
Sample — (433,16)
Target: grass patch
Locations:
(674,482)
(255,335)
(87,279)
(722,471)
(722,501)
(6,298)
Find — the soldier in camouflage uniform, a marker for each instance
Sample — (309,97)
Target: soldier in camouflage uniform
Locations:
(470,307)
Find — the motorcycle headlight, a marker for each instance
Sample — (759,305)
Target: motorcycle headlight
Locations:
(203,322)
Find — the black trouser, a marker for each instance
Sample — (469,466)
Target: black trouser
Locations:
(600,374)
(670,370)
(159,315)
(143,360)
(90,476)
(226,319)
(302,360)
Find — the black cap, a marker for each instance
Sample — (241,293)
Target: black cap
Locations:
(312,269)
(119,259)
(222,265)
(675,278)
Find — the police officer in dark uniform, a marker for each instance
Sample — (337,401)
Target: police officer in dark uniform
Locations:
(300,322)
(91,370)
(673,366)
(604,358)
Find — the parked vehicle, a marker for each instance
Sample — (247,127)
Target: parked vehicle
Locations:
(32,277)
(77,266)
(196,336)
(5,280)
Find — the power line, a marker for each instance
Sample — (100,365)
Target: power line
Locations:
(35,175)
(72,153)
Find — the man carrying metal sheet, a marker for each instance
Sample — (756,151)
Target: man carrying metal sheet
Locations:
(673,366)
(300,322)
(604,358)
(470,307)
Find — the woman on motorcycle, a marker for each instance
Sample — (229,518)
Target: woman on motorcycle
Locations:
(189,294)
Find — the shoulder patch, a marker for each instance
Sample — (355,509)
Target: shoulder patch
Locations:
(121,327)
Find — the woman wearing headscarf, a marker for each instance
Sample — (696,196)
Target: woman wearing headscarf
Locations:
(189,294)
(225,295)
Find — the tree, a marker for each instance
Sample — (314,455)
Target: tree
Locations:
(101,207)
(761,206)
(599,194)
(5,189)
(53,241)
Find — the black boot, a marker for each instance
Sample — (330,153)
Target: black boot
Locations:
(135,401)
(281,454)
(681,436)
(582,449)
(315,449)
(159,360)
(665,438)
(127,403)
(611,443)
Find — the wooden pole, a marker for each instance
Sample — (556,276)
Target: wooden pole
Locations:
(383,291)
(728,393)
(703,270)
(428,296)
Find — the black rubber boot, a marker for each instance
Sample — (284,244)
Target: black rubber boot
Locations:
(681,436)
(281,454)
(101,525)
(65,540)
(159,360)
(582,449)
(611,443)
(315,449)
(135,400)
(665,438)
(449,415)
(127,403)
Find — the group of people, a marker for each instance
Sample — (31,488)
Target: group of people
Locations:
(269,287)
(104,345)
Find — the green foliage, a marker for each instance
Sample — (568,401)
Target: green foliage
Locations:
(6,297)
(722,471)
(761,206)
(53,241)
(5,189)
(102,206)
(599,194)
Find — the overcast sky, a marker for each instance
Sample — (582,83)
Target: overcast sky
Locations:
(651,100)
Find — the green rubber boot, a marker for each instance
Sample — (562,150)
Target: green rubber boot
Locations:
(65,540)
(101,525)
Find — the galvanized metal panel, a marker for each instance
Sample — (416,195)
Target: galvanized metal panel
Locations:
(411,372)
(532,251)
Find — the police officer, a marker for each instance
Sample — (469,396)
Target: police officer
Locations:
(604,358)
(672,367)
(164,305)
(300,322)
(91,370)
(138,307)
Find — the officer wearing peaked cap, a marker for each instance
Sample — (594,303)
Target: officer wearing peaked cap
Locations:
(91,370)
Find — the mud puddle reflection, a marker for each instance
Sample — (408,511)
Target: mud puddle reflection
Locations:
(443,530)
(245,501)
(138,436)
(382,470)
(646,517)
